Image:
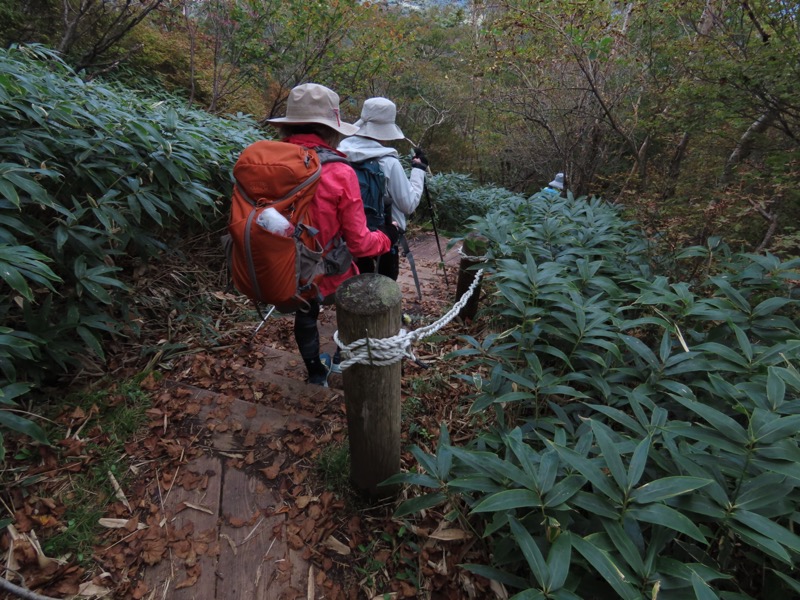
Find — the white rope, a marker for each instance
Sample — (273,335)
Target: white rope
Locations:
(463,254)
(380,352)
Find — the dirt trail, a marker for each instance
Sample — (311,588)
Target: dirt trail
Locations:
(239,516)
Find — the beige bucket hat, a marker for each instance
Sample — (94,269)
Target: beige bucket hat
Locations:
(314,103)
(377,120)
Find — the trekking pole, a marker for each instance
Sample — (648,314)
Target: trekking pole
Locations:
(263,321)
(433,221)
(436,235)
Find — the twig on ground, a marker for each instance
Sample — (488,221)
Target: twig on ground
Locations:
(21,592)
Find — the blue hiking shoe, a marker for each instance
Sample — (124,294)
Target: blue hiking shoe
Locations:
(337,359)
(318,372)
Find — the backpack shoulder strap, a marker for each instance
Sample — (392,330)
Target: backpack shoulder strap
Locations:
(374,161)
(326,156)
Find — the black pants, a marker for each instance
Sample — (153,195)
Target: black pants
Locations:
(387,264)
(306,333)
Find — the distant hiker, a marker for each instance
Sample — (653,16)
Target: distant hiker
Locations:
(401,193)
(312,121)
(555,187)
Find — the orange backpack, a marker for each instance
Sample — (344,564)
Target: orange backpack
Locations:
(282,268)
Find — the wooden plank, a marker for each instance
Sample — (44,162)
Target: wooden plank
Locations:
(254,546)
(243,419)
(286,369)
(299,570)
(295,387)
(197,544)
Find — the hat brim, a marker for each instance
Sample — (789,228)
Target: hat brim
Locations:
(384,132)
(556,184)
(346,129)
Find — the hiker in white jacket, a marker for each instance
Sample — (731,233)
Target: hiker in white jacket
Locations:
(377,125)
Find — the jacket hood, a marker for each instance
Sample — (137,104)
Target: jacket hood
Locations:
(359,148)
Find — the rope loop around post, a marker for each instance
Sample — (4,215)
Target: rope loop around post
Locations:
(386,351)
(463,254)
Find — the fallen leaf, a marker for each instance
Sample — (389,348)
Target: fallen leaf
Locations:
(140,590)
(230,541)
(192,575)
(274,470)
(120,495)
(153,550)
(336,546)
(204,509)
(90,589)
(149,383)
(449,535)
(43,560)
(497,587)
(118,523)
(302,501)
(409,591)
(232,455)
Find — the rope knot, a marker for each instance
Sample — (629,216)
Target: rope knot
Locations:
(381,352)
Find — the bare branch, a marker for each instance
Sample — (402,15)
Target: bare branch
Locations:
(21,592)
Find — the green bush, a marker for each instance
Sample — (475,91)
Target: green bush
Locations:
(92,176)
(458,197)
(646,435)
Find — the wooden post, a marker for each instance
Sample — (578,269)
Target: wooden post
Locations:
(474,248)
(370,305)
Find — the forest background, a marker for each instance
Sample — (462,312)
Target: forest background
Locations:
(684,112)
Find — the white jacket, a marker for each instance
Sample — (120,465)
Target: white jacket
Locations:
(405,192)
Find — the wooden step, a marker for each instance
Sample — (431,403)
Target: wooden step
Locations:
(224,536)
(287,369)
(235,424)
(223,540)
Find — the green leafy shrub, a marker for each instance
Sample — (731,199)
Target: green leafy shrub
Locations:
(458,197)
(92,178)
(646,435)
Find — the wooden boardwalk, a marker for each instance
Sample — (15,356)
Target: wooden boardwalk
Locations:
(228,536)
(228,528)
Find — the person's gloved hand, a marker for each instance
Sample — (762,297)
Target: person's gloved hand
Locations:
(420,161)
(390,231)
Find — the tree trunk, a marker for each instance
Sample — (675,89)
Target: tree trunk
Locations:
(191,29)
(641,160)
(707,19)
(745,145)
(674,170)
(771,218)
(71,23)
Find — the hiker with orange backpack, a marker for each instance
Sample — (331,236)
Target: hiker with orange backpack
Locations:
(312,121)
(402,193)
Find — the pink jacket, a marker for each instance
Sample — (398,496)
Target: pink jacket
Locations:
(337,208)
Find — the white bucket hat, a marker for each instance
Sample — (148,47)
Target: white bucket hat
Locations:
(558,182)
(314,103)
(377,120)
